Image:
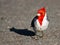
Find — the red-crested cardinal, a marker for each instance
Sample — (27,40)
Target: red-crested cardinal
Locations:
(40,22)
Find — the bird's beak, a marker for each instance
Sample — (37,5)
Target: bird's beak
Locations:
(38,14)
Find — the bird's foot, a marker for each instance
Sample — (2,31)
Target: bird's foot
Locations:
(40,34)
(35,37)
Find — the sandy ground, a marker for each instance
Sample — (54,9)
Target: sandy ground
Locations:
(15,20)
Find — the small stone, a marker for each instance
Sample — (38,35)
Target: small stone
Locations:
(8,27)
(2,18)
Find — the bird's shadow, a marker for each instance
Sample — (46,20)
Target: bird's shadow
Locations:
(24,32)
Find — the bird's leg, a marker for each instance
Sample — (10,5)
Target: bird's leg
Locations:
(35,37)
(39,34)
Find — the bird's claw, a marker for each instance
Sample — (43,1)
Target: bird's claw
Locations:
(34,37)
(40,34)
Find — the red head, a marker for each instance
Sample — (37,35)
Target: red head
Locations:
(41,13)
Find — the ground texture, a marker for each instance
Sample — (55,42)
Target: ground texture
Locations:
(15,20)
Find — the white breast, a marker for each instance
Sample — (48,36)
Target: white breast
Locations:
(44,24)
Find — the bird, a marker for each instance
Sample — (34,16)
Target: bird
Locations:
(40,22)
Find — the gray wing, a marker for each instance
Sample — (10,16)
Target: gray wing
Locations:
(34,19)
